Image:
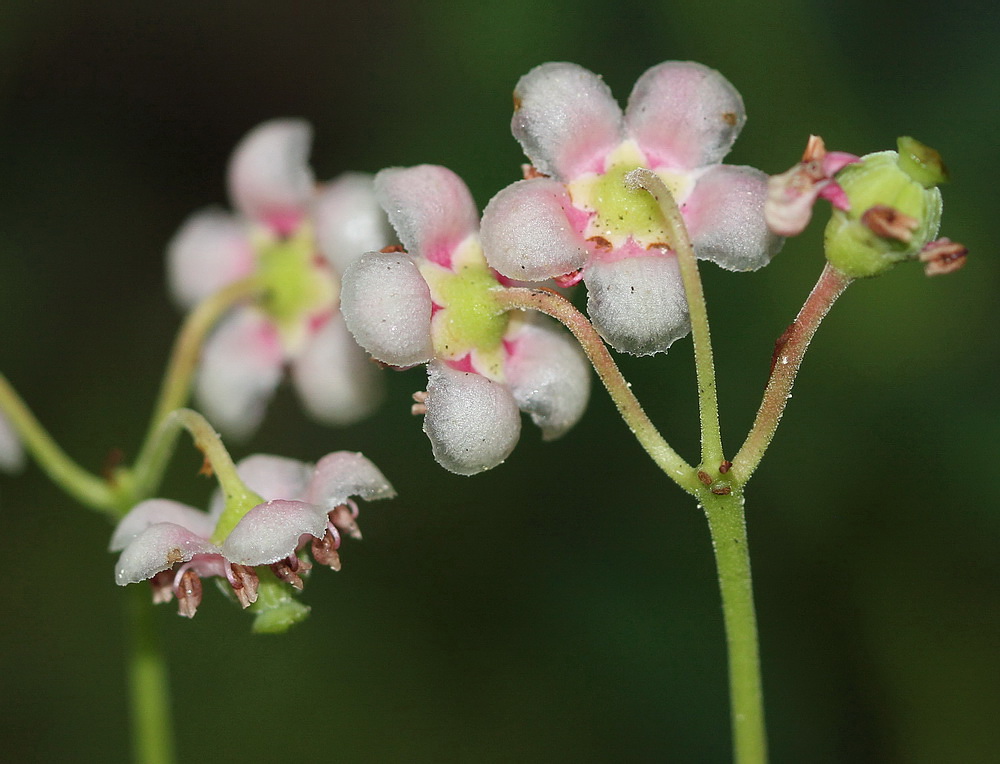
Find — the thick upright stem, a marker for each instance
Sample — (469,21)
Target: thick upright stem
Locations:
(708,399)
(88,489)
(788,353)
(555,305)
(727,525)
(149,687)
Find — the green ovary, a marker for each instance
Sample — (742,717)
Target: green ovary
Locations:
(622,212)
(470,318)
(294,286)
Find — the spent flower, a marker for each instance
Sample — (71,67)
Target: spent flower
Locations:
(573,218)
(435,303)
(296,238)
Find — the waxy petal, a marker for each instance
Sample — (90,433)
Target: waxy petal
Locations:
(387,306)
(638,303)
(548,376)
(349,220)
(269,176)
(157,548)
(725,219)
(11,452)
(338,382)
(526,234)
(271,531)
(344,474)
(565,119)
(240,368)
(430,208)
(275,477)
(472,422)
(684,115)
(210,250)
(153,511)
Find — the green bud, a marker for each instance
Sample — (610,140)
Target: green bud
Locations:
(895,210)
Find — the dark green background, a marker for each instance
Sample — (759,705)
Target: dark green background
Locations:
(562,607)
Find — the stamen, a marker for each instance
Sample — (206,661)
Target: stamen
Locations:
(324,550)
(285,570)
(890,223)
(420,407)
(187,589)
(943,256)
(244,581)
(343,518)
(162,585)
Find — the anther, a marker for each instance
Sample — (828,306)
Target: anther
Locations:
(244,581)
(943,256)
(287,570)
(187,588)
(343,518)
(890,223)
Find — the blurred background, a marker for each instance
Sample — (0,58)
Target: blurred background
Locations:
(562,607)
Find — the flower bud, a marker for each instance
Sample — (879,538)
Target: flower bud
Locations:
(895,209)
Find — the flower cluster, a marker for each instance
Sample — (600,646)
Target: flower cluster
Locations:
(573,218)
(291,504)
(435,303)
(295,238)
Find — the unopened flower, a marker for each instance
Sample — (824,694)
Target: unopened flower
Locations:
(11,452)
(436,303)
(174,546)
(791,195)
(296,238)
(574,218)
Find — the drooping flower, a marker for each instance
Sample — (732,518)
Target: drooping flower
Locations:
(573,218)
(792,194)
(174,546)
(11,452)
(296,238)
(435,303)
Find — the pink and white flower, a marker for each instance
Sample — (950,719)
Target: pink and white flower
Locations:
(296,238)
(573,218)
(435,303)
(174,546)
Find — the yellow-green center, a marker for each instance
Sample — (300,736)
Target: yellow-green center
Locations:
(294,286)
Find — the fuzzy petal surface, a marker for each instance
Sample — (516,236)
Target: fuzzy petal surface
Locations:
(269,176)
(339,384)
(637,303)
(349,220)
(11,452)
(526,234)
(549,376)
(472,422)
(430,207)
(565,119)
(343,474)
(387,306)
(275,477)
(210,250)
(684,115)
(270,532)
(153,511)
(725,218)
(240,369)
(157,548)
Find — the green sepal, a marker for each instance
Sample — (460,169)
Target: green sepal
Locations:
(921,162)
(276,610)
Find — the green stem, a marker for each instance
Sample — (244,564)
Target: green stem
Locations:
(727,526)
(88,489)
(708,401)
(555,305)
(149,688)
(176,387)
(789,350)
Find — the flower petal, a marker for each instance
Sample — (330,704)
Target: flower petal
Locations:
(338,382)
(159,547)
(211,249)
(270,532)
(472,422)
(526,234)
(153,511)
(684,115)
(637,303)
(565,119)
(349,220)
(725,218)
(549,376)
(11,452)
(387,306)
(275,477)
(269,176)
(240,368)
(430,208)
(343,474)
